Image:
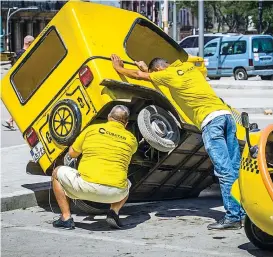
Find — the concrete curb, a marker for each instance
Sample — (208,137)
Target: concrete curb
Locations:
(27,198)
(249,86)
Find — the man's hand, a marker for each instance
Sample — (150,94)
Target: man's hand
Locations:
(142,66)
(117,62)
(134,74)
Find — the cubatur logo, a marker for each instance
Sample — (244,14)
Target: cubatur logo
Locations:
(180,72)
(104,131)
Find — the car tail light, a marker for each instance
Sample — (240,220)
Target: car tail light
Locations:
(31,137)
(85,75)
(250,62)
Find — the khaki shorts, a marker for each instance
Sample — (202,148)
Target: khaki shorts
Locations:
(77,188)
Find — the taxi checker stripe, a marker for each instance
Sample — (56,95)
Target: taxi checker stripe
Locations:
(249,164)
(237,117)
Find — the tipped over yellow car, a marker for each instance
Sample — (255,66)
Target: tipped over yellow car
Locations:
(65,81)
(254,188)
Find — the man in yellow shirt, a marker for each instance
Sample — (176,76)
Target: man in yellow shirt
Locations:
(205,109)
(101,177)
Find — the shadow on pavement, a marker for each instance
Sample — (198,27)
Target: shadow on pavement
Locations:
(137,213)
(251,249)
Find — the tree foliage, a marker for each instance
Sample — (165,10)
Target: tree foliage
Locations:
(236,15)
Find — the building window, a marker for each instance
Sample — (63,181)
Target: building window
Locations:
(38,65)
(146,41)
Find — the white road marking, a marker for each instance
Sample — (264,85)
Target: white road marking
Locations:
(119,240)
(13,147)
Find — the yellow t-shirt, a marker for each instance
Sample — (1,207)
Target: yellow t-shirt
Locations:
(106,150)
(190,90)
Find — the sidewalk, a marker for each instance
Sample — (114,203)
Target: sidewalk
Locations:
(18,189)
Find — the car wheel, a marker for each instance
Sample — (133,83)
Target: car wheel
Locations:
(267,77)
(214,78)
(257,237)
(65,122)
(92,207)
(158,128)
(240,74)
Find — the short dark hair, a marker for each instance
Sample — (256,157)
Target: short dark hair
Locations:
(120,113)
(157,62)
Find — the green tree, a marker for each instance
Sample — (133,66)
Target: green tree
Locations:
(234,14)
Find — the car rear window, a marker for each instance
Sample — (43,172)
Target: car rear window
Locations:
(38,65)
(145,42)
(262,45)
(188,42)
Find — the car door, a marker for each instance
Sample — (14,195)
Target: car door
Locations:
(232,54)
(262,49)
(211,58)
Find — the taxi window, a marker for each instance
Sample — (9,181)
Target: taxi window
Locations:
(145,42)
(37,66)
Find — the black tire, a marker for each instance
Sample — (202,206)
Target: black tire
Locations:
(91,207)
(65,117)
(158,128)
(270,77)
(214,78)
(257,237)
(240,74)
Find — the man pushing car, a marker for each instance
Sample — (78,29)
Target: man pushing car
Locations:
(205,109)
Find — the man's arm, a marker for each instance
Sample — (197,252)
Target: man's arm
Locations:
(73,153)
(134,74)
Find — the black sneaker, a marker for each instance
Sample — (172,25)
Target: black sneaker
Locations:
(113,220)
(225,224)
(65,224)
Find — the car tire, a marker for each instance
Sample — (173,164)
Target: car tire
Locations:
(92,207)
(65,122)
(159,128)
(270,77)
(240,74)
(214,78)
(257,237)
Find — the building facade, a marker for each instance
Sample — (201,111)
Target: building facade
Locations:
(153,10)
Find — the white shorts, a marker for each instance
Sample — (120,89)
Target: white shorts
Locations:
(77,188)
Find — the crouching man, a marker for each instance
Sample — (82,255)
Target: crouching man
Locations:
(101,177)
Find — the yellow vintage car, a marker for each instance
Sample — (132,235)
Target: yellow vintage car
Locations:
(254,188)
(65,81)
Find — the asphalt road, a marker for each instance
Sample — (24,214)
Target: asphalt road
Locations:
(170,228)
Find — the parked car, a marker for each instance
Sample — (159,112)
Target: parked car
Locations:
(240,56)
(254,188)
(65,81)
(191,45)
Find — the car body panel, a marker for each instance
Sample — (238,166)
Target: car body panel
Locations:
(251,190)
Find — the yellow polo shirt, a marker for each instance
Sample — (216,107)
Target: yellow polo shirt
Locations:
(190,90)
(106,150)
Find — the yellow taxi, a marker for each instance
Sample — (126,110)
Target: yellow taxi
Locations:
(65,81)
(254,188)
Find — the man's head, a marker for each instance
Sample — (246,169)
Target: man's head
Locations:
(158,64)
(119,113)
(28,41)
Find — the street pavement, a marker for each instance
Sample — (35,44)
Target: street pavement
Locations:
(169,228)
